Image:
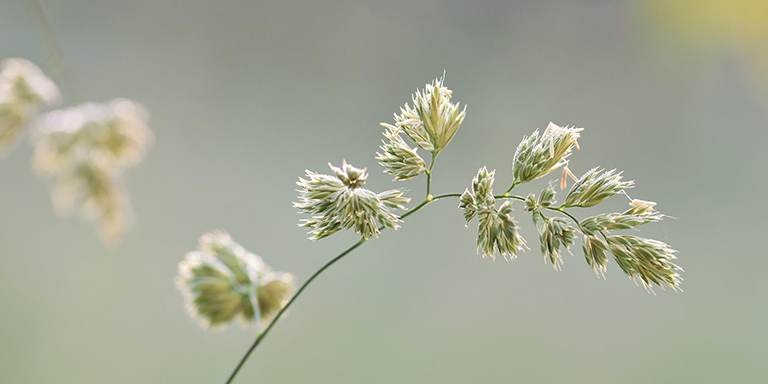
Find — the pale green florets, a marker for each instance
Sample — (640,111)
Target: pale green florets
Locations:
(646,261)
(433,120)
(497,230)
(539,154)
(594,187)
(339,202)
(555,233)
(223,282)
(398,159)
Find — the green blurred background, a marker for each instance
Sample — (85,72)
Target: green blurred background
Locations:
(244,95)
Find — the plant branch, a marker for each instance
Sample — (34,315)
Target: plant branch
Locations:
(429,175)
(277,317)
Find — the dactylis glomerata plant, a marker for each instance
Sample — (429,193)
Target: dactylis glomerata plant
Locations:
(222,281)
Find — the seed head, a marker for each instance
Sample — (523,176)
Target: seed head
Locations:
(596,253)
(398,159)
(99,194)
(480,195)
(554,233)
(497,230)
(339,202)
(538,155)
(25,83)
(433,120)
(594,187)
(646,261)
(84,150)
(23,88)
(222,281)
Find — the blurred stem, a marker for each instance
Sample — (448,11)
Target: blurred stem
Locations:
(301,289)
(54,56)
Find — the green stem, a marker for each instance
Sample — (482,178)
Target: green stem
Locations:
(511,187)
(564,212)
(277,317)
(508,196)
(429,175)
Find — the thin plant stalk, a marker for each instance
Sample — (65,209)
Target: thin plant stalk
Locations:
(277,317)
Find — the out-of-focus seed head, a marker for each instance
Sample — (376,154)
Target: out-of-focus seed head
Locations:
(23,88)
(433,120)
(398,159)
(339,202)
(221,282)
(116,132)
(24,83)
(84,150)
(98,193)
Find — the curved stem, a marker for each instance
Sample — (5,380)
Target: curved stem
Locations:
(564,212)
(508,196)
(511,187)
(277,317)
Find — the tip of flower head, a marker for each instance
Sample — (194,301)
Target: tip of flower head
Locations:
(350,175)
(637,203)
(26,83)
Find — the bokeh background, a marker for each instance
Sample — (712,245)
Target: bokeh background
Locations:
(245,95)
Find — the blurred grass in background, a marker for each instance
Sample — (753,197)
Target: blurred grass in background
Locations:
(245,95)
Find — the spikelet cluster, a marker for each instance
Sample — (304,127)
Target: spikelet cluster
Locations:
(340,202)
(84,150)
(539,154)
(646,261)
(397,158)
(433,119)
(221,282)
(596,186)
(643,260)
(23,89)
(497,230)
(555,233)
